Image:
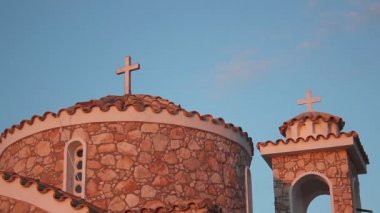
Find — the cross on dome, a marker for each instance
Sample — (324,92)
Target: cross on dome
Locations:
(309,101)
(127,69)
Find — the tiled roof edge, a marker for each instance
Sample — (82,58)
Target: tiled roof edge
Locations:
(192,205)
(307,139)
(138,107)
(59,195)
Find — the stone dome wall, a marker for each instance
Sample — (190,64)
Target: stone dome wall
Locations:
(11,205)
(138,164)
(38,156)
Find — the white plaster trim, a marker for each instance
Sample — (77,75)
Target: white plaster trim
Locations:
(324,177)
(311,144)
(32,196)
(248,190)
(342,142)
(113,115)
(65,167)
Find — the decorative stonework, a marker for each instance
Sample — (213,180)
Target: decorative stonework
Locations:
(136,164)
(11,205)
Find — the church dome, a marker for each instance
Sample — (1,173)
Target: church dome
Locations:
(311,124)
(133,152)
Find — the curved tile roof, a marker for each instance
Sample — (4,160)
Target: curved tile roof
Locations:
(79,203)
(312,116)
(307,139)
(184,207)
(139,102)
(59,195)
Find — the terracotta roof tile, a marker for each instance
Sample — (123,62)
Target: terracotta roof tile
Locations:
(122,103)
(59,195)
(307,139)
(313,116)
(79,203)
(191,206)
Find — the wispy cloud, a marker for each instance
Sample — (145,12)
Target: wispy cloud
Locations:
(239,70)
(352,16)
(374,8)
(309,44)
(313,3)
(337,21)
(354,19)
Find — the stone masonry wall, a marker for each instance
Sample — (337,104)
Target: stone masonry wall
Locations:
(39,156)
(134,165)
(11,205)
(333,164)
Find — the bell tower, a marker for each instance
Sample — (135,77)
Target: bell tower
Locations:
(315,158)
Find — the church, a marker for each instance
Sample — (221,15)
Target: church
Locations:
(143,153)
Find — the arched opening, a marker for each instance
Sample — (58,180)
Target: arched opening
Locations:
(302,130)
(318,128)
(74,182)
(305,189)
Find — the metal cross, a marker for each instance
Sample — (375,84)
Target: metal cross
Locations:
(127,69)
(309,101)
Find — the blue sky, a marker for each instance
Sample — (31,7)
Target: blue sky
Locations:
(245,61)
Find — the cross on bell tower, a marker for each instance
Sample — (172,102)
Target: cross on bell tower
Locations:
(309,101)
(127,69)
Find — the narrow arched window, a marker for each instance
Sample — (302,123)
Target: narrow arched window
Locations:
(302,130)
(74,181)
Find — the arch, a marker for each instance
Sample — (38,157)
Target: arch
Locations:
(75,167)
(305,188)
(329,127)
(318,127)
